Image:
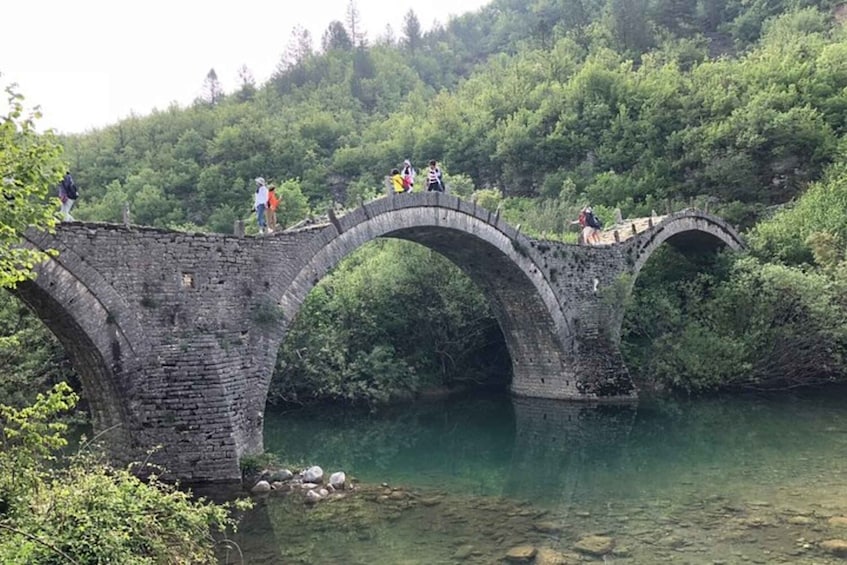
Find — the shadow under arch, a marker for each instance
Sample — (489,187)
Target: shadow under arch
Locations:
(527,309)
(691,231)
(686,230)
(94,336)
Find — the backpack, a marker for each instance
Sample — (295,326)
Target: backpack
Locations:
(70,187)
(593,221)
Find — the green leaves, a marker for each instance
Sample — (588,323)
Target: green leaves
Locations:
(85,511)
(29,171)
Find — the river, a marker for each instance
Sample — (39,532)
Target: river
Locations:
(744,479)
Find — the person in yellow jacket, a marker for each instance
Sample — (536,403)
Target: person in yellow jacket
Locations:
(397,181)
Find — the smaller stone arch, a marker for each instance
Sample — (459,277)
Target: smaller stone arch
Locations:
(686,228)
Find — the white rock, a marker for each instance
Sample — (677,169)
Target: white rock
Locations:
(313,475)
(308,486)
(338,479)
(323,492)
(312,497)
(261,487)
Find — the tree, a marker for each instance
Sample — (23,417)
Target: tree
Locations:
(354,24)
(298,49)
(411,31)
(29,169)
(387,37)
(336,37)
(212,88)
(248,83)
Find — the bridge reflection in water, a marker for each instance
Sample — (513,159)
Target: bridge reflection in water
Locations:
(557,443)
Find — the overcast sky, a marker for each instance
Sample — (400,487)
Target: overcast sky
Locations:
(88,63)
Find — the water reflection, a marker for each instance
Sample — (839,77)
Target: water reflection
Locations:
(558,444)
(726,479)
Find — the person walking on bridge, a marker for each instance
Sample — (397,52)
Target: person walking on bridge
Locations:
(591,226)
(408,174)
(397,181)
(68,193)
(434,182)
(260,204)
(273,204)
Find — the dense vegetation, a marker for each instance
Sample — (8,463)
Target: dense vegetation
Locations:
(536,107)
(79,509)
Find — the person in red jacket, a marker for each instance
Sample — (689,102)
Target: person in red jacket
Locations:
(273,204)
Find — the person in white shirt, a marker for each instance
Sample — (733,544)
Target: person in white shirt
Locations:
(260,204)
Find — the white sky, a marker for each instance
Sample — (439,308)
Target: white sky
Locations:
(89,63)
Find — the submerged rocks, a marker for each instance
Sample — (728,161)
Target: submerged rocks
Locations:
(595,545)
(835,547)
(521,554)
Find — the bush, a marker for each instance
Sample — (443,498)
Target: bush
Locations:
(85,511)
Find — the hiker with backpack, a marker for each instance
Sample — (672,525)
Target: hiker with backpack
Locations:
(68,193)
(434,182)
(591,226)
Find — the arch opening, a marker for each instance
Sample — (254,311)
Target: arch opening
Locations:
(394,318)
(661,321)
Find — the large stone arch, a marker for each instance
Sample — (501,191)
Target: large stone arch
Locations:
(94,325)
(496,257)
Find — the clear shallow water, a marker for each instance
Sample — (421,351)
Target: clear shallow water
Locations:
(729,480)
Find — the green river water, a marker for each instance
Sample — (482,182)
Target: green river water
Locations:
(727,480)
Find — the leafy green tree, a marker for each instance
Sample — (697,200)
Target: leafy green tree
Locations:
(29,170)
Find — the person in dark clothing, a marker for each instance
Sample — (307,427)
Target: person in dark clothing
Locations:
(68,193)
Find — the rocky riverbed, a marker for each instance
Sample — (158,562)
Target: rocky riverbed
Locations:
(315,518)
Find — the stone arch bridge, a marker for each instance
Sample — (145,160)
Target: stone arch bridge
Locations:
(175,335)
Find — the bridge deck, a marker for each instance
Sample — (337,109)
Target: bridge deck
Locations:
(627,229)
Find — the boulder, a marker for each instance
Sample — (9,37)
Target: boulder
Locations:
(597,546)
(313,475)
(261,487)
(337,480)
(312,497)
(281,476)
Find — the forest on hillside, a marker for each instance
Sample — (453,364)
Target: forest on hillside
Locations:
(535,108)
